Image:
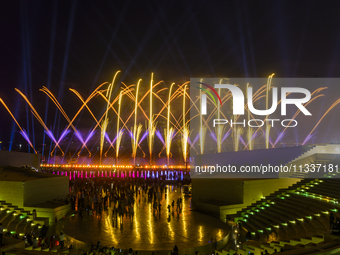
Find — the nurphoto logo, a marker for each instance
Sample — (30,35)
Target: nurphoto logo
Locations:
(238,104)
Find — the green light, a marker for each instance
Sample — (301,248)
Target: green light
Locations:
(257,210)
(309,217)
(269,229)
(260,231)
(13,232)
(284,224)
(334,210)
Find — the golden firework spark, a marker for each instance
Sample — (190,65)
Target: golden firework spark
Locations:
(136,130)
(185,130)
(169,131)
(106,120)
(151,127)
(237,137)
(16,122)
(119,132)
(269,83)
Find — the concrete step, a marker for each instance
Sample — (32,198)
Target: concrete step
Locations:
(41,220)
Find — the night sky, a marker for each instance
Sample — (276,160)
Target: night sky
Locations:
(81,44)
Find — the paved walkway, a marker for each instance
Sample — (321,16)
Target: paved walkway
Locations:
(148,229)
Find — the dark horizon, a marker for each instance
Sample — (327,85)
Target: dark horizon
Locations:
(81,44)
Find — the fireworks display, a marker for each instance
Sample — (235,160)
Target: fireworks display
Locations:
(165,121)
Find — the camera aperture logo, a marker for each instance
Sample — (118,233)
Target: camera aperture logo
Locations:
(238,104)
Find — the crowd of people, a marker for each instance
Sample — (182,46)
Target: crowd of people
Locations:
(97,249)
(36,240)
(89,197)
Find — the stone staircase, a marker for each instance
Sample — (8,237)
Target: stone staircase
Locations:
(18,221)
(291,219)
(36,251)
(316,154)
(312,245)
